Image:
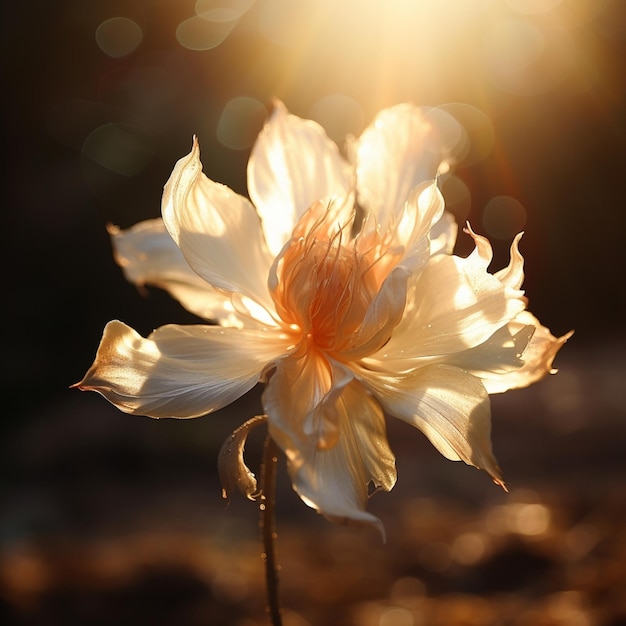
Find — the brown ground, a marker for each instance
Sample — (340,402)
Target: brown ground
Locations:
(113,520)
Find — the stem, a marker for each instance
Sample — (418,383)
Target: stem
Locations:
(268,530)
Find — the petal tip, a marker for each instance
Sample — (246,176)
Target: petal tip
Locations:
(500,483)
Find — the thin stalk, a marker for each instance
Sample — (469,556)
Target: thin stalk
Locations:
(267,525)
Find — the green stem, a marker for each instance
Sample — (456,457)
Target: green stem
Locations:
(268,530)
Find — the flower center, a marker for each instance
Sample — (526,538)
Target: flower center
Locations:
(324,285)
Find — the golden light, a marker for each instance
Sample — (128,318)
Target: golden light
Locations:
(467,62)
(419,46)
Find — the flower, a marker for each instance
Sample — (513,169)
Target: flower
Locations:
(344,314)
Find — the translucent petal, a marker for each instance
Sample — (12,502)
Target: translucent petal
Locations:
(293,164)
(301,394)
(513,274)
(149,256)
(420,213)
(535,359)
(499,356)
(179,371)
(217,230)
(443,235)
(394,154)
(450,406)
(335,480)
(382,316)
(453,304)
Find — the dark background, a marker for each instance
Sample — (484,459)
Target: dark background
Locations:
(111,519)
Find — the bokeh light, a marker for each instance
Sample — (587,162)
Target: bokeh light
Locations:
(200,33)
(396,616)
(457,197)
(469,548)
(477,135)
(503,217)
(224,10)
(118,148)
(118,36)
(212,23)
(240,122)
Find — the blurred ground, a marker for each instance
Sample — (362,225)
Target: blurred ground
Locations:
(119,520)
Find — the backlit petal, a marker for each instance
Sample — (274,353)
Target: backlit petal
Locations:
(301,394)
(443,235)
(453,304)
(394,154)
(536,359)
(149,256)
(513,274)
(179,371)
(336,481)
(450,406)
(497,357)
(382,316)
(420,213)
(293,164)
(217,230)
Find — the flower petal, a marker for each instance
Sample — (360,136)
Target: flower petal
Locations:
(217,230)
(301,393)
(513,274)
(420,213)
(382,316)
(497,357)
(293,164)
(394,154)
(450,406)
(536,358)
(335,481)
(179,371)
(443,235)
(453,304)
(149,256)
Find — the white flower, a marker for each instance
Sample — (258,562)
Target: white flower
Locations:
(343,318)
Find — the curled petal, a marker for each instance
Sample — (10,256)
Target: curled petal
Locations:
(217,230)
(335,481)
(513,274)
(483,252)
(149,256)
(179,371)
(450,406)
(536,358)
(234,473)
(394,154)
(293,164)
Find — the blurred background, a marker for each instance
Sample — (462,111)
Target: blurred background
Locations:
(111,519)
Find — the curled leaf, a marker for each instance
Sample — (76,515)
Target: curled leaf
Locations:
(233,471)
